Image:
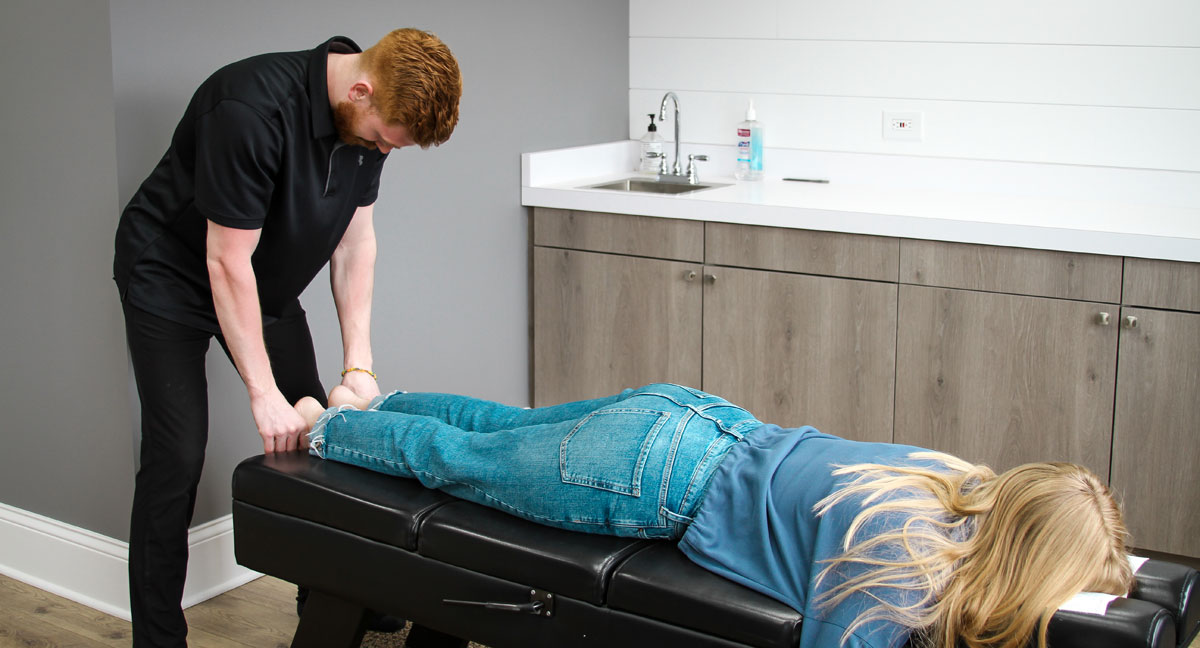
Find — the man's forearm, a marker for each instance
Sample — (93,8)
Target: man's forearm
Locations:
(352,279)
(352,275)
(235,298)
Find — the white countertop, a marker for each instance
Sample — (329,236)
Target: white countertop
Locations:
(1000,217)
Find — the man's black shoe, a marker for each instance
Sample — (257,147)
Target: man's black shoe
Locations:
(377,622)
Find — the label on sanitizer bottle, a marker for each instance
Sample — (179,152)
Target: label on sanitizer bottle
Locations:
(743,144)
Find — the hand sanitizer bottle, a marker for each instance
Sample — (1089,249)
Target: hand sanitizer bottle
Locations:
(750,147)
(652,149)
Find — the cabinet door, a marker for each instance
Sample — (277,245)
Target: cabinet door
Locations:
(1005,379)
(604,322)
(802,350)
(1156,444)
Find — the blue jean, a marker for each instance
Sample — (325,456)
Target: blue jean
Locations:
(634,464)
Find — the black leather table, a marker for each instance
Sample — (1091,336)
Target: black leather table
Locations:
(363,540)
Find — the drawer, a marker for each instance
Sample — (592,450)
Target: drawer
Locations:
(1162,284)
(1018,271)
(853,256)
(662,238)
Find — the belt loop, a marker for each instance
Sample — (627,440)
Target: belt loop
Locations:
(675,517)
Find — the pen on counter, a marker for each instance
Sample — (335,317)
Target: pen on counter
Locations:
(816,180)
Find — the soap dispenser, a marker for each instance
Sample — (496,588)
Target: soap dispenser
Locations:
(652,149)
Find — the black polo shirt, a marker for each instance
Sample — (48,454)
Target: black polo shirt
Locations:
(256,149)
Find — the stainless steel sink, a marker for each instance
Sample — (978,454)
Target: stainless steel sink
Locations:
(650,185)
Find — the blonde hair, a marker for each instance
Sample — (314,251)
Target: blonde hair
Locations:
(417,84)
(989,557)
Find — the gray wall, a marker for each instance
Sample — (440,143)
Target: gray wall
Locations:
(64,383)
(451,285)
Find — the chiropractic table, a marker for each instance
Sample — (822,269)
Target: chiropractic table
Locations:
(361,540)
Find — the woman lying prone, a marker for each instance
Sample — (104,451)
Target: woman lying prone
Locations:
(871,542)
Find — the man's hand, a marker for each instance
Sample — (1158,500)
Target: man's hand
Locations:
(361,383)
(279,424)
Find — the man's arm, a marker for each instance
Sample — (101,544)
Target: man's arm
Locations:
(352,279)
(235,296)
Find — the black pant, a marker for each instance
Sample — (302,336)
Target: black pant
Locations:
(168,365)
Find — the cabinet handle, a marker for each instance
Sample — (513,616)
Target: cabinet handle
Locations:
(690,275)
(710,278)
(1131,322)
(1103,319)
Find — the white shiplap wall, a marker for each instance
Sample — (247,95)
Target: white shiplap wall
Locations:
(1096,83)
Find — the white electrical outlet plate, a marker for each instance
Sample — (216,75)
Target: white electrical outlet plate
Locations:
(903,126)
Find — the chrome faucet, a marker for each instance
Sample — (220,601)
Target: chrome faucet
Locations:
(662,116)
(676,174)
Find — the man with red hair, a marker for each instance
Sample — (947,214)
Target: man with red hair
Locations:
(272,172)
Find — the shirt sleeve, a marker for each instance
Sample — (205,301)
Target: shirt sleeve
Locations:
(371,191)
(237,159)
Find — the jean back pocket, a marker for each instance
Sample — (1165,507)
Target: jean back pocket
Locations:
(608,449)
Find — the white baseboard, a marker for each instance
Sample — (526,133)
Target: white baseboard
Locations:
(212,569)
(92,569)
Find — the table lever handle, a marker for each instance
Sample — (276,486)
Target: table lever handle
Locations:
(540,604)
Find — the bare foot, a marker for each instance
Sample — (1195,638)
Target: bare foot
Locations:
(310,409)
(342,395)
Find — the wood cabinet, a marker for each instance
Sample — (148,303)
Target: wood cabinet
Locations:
(800,326)
(1005,379)
(1000,362)
(803,350)
(604,322)
(792,348)
(998,355)
(1156,430)
(1008,356)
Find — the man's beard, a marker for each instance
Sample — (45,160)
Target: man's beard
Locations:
(345,119)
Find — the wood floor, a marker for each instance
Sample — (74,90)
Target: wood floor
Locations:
(260,614)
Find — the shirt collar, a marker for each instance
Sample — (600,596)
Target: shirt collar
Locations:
(318,83)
